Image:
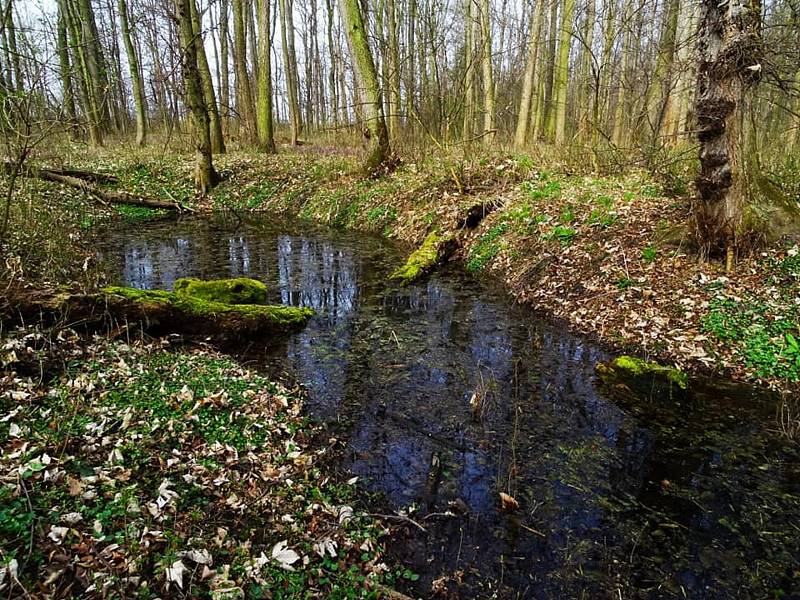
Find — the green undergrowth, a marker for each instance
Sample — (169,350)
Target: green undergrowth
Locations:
(169,474)
(763,335)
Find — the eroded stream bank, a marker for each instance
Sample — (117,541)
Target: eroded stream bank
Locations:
(448,394)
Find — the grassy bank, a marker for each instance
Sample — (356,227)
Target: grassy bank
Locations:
(142,471)
(609,255)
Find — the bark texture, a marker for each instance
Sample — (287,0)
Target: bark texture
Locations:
(730,52)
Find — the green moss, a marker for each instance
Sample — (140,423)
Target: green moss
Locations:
(422,260)
(240,290)
(284,317)
(638,367)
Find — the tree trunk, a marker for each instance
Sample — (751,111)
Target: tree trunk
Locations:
(209,97)
(730,52)
(244,94)
(561,71)
(224,85)
(67,92)
(394,70)
(290,66)
(264,110)
(488,74)
(136,75)
(469,74)
(205,177)
(530,76)
(378,136)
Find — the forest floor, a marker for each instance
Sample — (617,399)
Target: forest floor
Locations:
(142,470)
(609,256)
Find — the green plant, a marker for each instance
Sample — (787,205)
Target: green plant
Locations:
(487,247)
(565,235)
(649,254)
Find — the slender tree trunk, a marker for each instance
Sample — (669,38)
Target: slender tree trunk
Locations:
(548,110)
(395,101)
(290,66)
(11,48)
(225,86)
(730,65)
(530,76)
(488,74)
(333,95)
(244,94)
(378,137)
(91,106)
(136,75)
(209,97)
(661,89)
(561,71)
(469,74)
(265,131)
(67,92)
(619,131)
(205,177)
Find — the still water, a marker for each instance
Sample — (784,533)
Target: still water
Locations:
(448,394)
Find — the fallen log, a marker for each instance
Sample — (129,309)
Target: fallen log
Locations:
(85,182)
(435,250)
(157,312)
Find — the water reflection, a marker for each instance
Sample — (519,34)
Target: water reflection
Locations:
(619,495)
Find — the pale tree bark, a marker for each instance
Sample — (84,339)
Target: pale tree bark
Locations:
(136,74)
(488,74)
(65,71)
(530,77)
(90,101)
(730,54)
(619,130)
(378,136)
(244,93)
(675,125)
(547,115)
(333,95)
(662,86)
(224,85)
(469,74)
(205,177)
(286,8)
(210,98)
(394,70)
(266,137)
(561,80)
(12,54)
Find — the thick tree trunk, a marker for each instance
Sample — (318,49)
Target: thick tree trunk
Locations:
(379,151)
(730,52)
(205,177)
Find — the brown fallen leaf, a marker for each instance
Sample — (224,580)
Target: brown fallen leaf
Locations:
(508,502)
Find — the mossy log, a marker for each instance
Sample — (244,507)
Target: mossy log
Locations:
(435,250)
(644,377)
(161,312)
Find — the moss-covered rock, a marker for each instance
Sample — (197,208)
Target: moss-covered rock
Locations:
(435,249)
(239,290)
(644,376)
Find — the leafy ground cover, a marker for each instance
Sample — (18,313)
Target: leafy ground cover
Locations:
(147,471)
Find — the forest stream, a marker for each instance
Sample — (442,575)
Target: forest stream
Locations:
(447,394)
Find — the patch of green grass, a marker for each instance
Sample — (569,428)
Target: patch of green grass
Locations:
(564,235)
(651,190)
(138,214)
(541,189)
(487,248)
(602,218)
(649,254)
(623,283)
(766,343)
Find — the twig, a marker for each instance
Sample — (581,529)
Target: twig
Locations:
(400,518)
